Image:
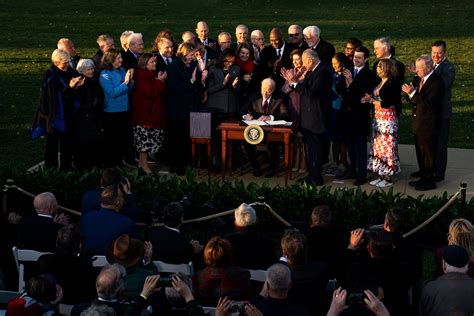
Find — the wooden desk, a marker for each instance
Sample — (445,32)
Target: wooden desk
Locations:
(235,131)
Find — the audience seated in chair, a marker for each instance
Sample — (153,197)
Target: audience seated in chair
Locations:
(250,249)
(39,231)
(72,270)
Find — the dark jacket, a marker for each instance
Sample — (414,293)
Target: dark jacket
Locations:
(129,60)
(325,51)
(277,108)
(183,96)
(356,115)
(315,91)
(427,103)
(278,307)
(398,80)
(100,228)
(252,250)
(224,98)
(87,117)
(170,246)
(91,202)
(446,72)
(39,233)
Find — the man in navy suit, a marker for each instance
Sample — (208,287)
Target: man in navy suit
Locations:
(165,54)
(111,176)
(39,232)
(426,96)
(99,228)
(136,48)
(445,70)
(202,31)
(315,92)
(360,81)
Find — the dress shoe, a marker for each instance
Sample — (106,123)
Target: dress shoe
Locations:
(415,183)
(384,184)
(270,173)
(426,186)
(415,174)
(346,176)
(360,181)
(256,172)
(375,182)
(438,178)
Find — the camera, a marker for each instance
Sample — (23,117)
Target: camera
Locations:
(355,298)
(237,307)
(165,282)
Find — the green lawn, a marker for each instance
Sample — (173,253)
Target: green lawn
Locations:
(30,30)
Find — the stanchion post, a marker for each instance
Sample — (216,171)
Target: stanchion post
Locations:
(6,188)
(463,199)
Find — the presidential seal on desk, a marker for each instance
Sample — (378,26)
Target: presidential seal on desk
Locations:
(253,134)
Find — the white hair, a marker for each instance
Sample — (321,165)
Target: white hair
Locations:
(426,59)
(43,201)
(83,64)
(312,30)
(311,54)
(268,82)
(385,42)
(62,42)
(241,26)
(133,37)
(294,26)
(124,38)
(449,268)
(59,55)
(245,215)
(279,277)
(256,33)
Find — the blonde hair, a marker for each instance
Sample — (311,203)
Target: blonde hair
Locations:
(184,49)
(459,233)
(59,56)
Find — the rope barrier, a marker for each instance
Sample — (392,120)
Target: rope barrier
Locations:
(429,220)
(188,221)
(462,190)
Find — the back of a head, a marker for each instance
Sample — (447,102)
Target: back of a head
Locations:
(395,220)
(279,278)
(380,244)
(460,233)
(294,247)
(69,240)
(218,253)
(110,281)
(110,176)
(245,216)
(173,214)
(110,196)
(321,216)
(43,202)
(42,288)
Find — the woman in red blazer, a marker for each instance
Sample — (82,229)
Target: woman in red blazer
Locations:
(149,110)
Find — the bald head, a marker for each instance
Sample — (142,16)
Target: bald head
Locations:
(187,36)
(109,282)
(45,204)
(67,45)
(202,30)
(276,38)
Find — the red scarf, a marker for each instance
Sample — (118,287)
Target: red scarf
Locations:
(246,67)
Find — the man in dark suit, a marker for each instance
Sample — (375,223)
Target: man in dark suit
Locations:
(426,96)
(169,244)
(205,56)
(67,45)
(445,70)
(105,42)
(111,176)
(273,58)
(136,48)
(39,232)
(99,228)
(382,50)
(258,44)
(360,81)
(241,36)
(224,40)
(165,54)
(273,299)
(312,37)
(266,108)
(296,38)
(202,31)
(315,92)
(250,249)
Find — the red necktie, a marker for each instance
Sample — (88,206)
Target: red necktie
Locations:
(265,106)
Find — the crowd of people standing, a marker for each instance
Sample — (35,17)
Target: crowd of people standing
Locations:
(124,104)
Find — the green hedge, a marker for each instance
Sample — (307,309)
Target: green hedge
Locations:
(351,207)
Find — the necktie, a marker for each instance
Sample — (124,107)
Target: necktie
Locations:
(421,84)
(168,60)
(72,64)
(435,66)
(278,53)
(356,71)
(265,106)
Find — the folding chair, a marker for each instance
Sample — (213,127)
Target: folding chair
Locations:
(5,297)
(22,256)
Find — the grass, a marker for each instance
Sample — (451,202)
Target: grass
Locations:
(31,30)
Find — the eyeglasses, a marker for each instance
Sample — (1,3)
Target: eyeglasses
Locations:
(294,35)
